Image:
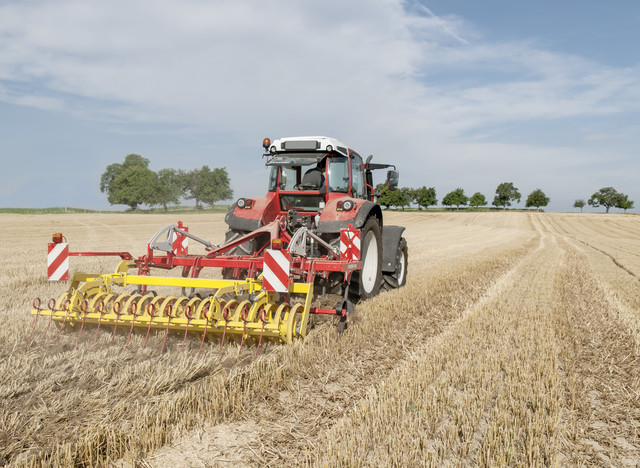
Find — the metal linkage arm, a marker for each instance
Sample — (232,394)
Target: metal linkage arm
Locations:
(166,245)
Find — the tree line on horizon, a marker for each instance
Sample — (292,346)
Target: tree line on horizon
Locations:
(132,183)
(506,194)
(607,197)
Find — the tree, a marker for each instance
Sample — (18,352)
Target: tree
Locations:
(384,195)
(477,200)
(579,204)
(403,197)
(606,196)
(399,198)
(537,198)
(425,197)
(168,187)
(130,183)
(207,186)
(505,194)
(455,198)
(624,202)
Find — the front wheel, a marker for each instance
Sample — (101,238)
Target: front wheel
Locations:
(368,279)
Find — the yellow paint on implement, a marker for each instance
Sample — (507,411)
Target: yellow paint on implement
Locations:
(238,308)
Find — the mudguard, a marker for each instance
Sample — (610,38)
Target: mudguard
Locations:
(391,236)
(263,210)
(365,209)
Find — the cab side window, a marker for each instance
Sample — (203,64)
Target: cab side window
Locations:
(338,174)
(357,175)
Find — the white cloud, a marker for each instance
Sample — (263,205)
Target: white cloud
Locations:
(383,74)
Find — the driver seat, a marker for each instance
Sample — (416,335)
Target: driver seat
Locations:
(313,178)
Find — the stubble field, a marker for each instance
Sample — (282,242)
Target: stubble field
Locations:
(515,342)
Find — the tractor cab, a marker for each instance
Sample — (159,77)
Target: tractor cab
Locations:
(308,172)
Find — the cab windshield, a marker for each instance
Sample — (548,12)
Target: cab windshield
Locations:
(290,177)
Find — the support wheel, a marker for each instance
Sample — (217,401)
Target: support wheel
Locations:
(397,278)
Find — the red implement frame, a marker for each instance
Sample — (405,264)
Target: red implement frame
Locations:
(304,268)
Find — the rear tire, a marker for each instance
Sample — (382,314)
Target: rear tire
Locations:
(398,278)
(367,281)
(243,249)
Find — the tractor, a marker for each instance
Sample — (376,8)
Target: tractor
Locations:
(317,233)
(324,186)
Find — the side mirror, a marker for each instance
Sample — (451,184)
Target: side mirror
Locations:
(393,178)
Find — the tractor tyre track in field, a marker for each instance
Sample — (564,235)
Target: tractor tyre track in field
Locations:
(322,385)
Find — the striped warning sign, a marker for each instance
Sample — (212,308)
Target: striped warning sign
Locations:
(58,262)
(276,271)
(180,243)
(350,244)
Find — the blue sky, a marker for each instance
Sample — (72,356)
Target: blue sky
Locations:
(456,93)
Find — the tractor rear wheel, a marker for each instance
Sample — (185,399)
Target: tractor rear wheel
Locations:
(397,278)
(243,249)
(368,279)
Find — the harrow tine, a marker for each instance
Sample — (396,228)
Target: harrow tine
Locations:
(151,310)
(66,305)
(37,304)
(167,312)
(187,313)
(225,316)
(133,308)
(244,316)
(263,318)
(206,325)
(117,307)
(83,307)
(52,308)
(100,308)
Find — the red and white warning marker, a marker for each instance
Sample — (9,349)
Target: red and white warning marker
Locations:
(276,271)
(350,244)
(58,261)
(180,242)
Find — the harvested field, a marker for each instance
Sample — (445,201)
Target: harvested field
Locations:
(515,342)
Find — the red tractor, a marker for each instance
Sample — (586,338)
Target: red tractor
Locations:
(322,185)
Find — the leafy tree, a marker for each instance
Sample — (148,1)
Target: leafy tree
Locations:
(455,198)
(384,195)
(505,194)
(424,196)
(403,197)
(168,187)
(398,198)
(130,183)
(624,202)
(579,204)
(606,196)
(537,198)
(207,186)
(477,199)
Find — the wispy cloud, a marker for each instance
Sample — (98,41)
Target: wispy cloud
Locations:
(384,73)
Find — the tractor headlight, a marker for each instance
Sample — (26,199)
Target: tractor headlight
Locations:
(345,205)
(244,203)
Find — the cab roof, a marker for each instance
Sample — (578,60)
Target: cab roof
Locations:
(307,143)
